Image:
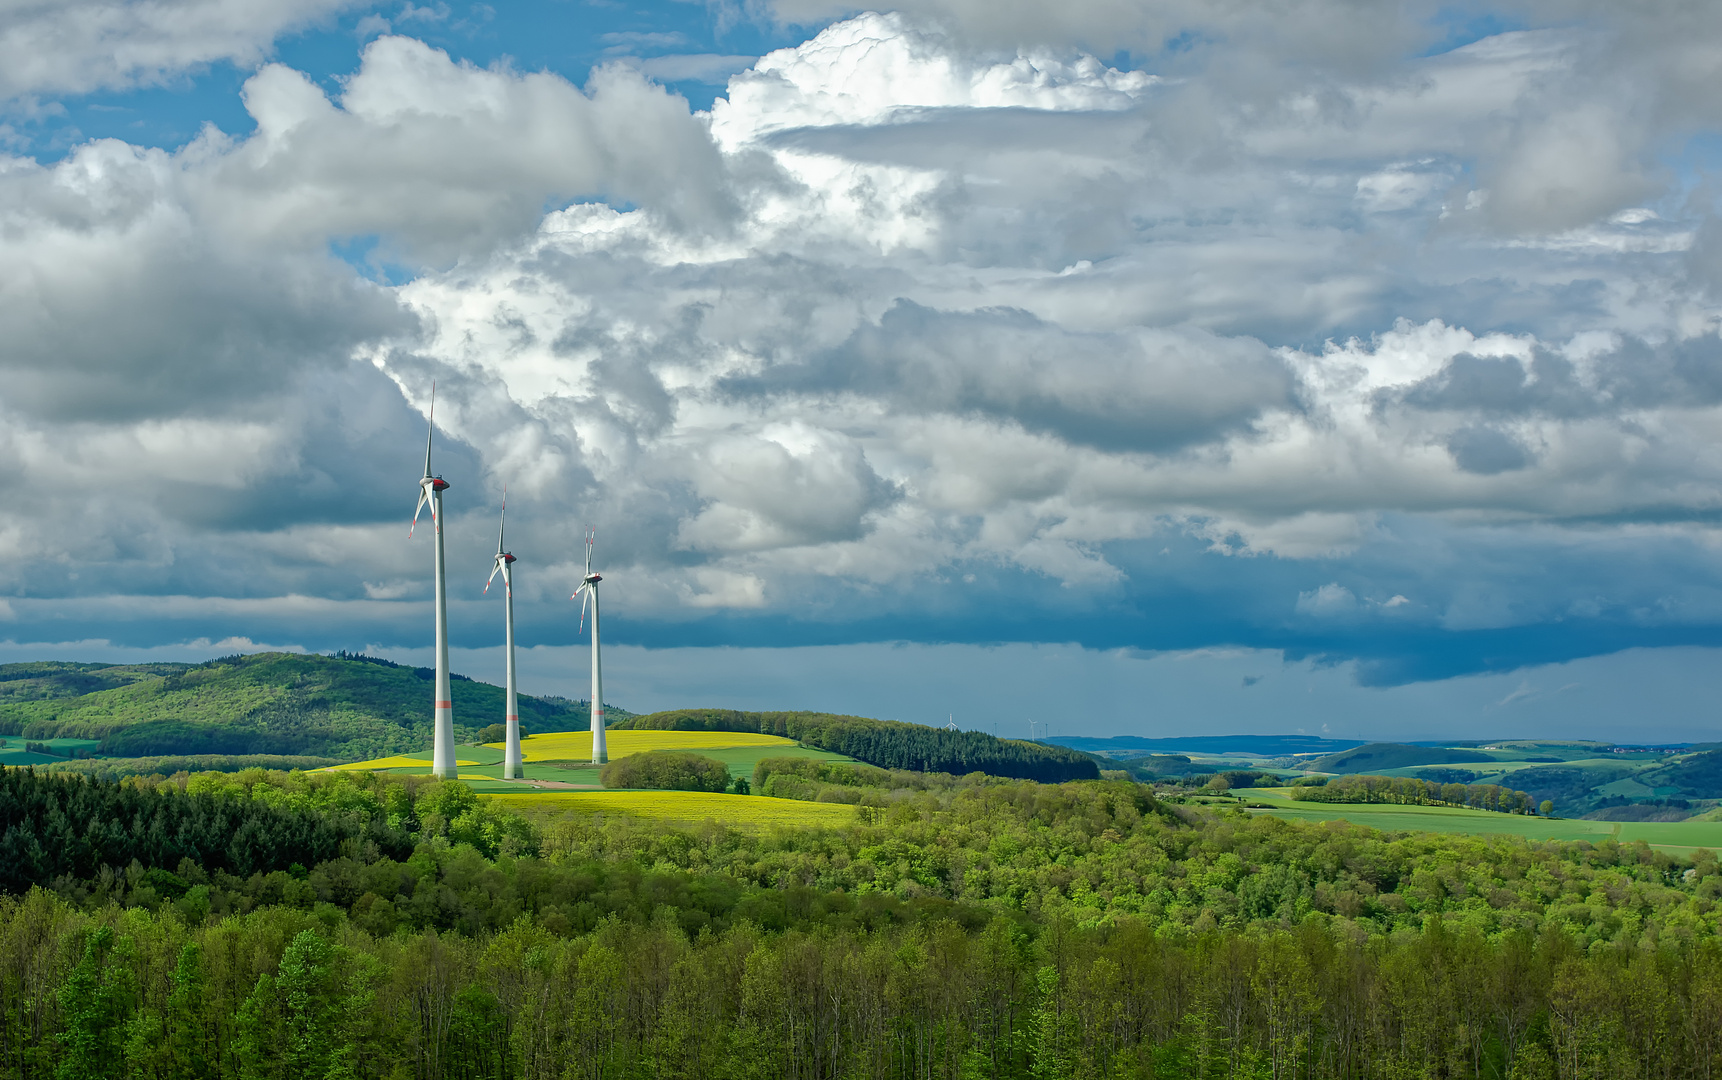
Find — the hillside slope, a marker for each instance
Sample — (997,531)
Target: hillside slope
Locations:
(1132,746)
(1376,757)
(890,744)
(267,703)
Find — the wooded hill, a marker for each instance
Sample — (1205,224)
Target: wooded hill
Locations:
(1376,757)
(889,744)
(980,929)
(1581,779)
(343,706)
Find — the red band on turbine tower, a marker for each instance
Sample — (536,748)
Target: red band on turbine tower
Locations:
(445,704)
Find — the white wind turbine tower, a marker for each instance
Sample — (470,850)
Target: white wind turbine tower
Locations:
(430,491)
(511,769)
(589,586)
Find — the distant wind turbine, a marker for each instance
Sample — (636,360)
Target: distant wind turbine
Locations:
(511,769)
(589,587)
(430,491)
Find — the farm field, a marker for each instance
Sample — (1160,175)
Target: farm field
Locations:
(563,756)
(1675,837)
(686,807)
(397,761)
(577,745)
(13,753)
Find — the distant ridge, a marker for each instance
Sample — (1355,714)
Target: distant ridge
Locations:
(345,706)
(1276,745)
(1375,757)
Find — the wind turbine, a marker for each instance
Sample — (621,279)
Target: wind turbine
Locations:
(589,586)
(430,491)
(511,769)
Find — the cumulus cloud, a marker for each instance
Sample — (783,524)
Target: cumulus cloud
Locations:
(913,316)
(442,159)
(75,46)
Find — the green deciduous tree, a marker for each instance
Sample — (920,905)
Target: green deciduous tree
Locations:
(96,1001)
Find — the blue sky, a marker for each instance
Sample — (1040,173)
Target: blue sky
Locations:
(1016,357)
(704,45)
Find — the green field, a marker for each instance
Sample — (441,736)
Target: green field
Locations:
(485,774)
(1675,837)
(13,753)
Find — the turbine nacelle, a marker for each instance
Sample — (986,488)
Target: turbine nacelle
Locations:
(592,579)
(430,485)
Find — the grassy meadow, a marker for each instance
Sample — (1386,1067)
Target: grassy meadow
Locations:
(564,758)
(1675,837)
(13,753)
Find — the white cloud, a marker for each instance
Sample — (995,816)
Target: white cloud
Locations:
(444,159)
(1332,599)
(871,68)
(75,46)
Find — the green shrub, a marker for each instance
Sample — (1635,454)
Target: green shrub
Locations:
(668,770)
(496,733)
(820,771)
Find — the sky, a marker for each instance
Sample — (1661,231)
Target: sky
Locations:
(1130,368)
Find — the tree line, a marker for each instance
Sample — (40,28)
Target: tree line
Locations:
(286,993)
(1413,791)
(890,744)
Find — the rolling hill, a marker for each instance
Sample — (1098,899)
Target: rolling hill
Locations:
(339,706)
(889,744)
(1379,757)
(1131,746)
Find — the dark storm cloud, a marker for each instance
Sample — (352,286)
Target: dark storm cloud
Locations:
(1486,451)
(1632,375)
(1149,391)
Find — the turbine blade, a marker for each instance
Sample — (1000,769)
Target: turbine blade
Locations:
(424,496)
(497,569)
(431,421)
(502,520)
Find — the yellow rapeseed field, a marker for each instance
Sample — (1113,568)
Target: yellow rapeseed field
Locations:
(397,762)
(577,745)
(742,811)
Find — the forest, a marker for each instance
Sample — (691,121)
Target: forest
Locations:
(889,744)
(376,925)
(1414,791)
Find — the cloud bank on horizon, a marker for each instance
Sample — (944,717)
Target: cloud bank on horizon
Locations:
(1365,335)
